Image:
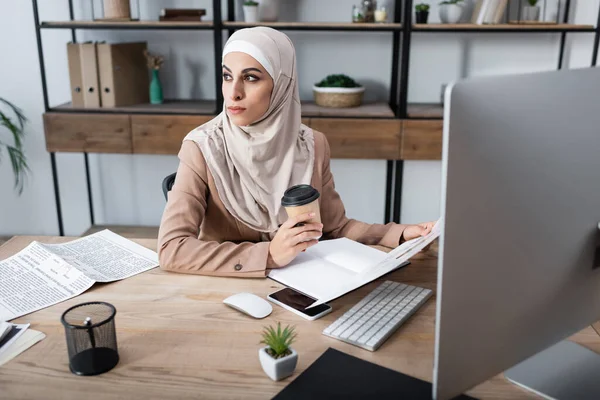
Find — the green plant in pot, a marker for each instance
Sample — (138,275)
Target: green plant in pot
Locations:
(277,358)
(451,11)
(531,12)
(338,91)
(14,122)
(422,13)
(250,11)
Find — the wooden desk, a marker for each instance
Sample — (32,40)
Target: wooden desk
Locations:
(178,340)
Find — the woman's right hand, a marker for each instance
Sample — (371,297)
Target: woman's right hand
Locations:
(290,240)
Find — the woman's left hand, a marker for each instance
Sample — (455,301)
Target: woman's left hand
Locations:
(416,230)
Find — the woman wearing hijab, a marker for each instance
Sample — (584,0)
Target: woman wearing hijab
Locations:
(223,215)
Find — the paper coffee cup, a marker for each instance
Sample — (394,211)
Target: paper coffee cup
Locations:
(302,199)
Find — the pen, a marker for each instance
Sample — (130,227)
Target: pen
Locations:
(88,322)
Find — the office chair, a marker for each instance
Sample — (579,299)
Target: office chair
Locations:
(167,183)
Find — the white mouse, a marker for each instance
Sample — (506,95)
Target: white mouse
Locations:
(250,304)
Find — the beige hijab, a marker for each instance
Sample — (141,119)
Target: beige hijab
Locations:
(253,165)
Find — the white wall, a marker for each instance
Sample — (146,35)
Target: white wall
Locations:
(126,188)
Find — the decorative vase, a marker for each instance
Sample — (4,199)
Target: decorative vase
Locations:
(531,13)
(251,14)
(451,13)
(156,93)
(422,16)
(277,368)
(269,10)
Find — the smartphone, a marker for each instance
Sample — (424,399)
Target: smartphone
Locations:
(296,302)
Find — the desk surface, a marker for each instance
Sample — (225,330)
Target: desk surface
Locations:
(177,339)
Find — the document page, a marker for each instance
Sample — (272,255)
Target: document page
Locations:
(311,275)
(34,279)
(327,266)
(106,256)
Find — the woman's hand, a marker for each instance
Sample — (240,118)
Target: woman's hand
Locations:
(290,240)
(416,230)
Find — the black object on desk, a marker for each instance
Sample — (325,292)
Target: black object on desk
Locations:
(337,375)
(91,337)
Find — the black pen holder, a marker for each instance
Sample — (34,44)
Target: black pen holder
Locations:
(91,337)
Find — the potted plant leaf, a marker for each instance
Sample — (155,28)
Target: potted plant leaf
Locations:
(250,11)
(338,90)
(532,11)
(277,358)
(422,13)
(16,128)
(451,11)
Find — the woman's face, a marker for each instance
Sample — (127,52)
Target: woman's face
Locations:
(247,88)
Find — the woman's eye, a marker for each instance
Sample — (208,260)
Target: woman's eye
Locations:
(226,77)
(251,78)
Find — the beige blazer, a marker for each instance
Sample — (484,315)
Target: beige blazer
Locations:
(198,235)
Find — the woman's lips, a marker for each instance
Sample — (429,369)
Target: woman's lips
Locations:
(236,110)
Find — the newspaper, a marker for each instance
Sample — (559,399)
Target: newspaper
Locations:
(42,275)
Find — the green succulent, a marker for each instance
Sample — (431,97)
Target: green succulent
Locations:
(451,2)
(422,7)
(278,340)
(338,80)
(532,3)
(250,3)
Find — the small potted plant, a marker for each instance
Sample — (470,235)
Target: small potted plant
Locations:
(422,13)
(338,91)
(277,358)
(251,11)
(532,11)
(451,11)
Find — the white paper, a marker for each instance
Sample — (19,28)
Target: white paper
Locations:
(106,256)
(328,267)
(45,274)
(27,339)
(9,340)
(34,278)
(399,256)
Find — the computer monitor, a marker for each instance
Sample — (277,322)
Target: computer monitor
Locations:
(519,254)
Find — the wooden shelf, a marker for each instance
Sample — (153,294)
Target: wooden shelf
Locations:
(333,26)
(513,27)
(127,24)
(207,107)
(367,110)
(192,107)
(425,110)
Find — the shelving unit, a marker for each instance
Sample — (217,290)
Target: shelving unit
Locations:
(394,130)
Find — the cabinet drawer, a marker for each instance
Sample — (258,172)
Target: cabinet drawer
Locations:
(422,139)
(361,138)
(90,133)
(162,134)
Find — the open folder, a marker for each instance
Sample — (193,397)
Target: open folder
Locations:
(335,267)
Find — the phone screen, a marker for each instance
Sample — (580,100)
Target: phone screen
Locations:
(298,301)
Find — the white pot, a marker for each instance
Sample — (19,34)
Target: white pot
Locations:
(280,368)
(451,13)
(531,13)
(251,14)
(269,10)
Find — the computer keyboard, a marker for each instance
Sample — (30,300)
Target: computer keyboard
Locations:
(372,320)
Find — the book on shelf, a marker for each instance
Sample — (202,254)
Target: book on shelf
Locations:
(181,14)
(489,11)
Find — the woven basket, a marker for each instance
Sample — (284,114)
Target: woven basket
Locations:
(338,97)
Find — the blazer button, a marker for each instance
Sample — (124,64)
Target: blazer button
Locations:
(237,267)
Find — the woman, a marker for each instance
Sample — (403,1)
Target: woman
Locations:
(224,215)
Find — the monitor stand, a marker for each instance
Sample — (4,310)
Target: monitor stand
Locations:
(566,370)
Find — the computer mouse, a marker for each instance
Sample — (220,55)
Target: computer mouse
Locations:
(250,304)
